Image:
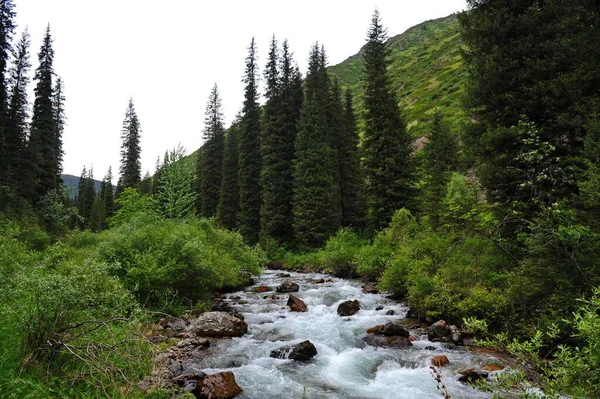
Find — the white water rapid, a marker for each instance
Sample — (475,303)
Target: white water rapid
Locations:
(344,368)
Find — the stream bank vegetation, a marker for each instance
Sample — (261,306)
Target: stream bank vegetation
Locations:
(484,214)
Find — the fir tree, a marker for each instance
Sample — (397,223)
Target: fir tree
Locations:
(279,129)
(7,27)
(211,161)
(386,145)
(130,171)
(146,184)
(156,176)
(351,179)
(176,195)
(229,202)
(97,217)
(107,195)
(249,153)
(15,126)
(58,109)
(316,199)
(41,156)
(440,159)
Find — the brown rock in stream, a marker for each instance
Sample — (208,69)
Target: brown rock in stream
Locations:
(296,304)
(217,386)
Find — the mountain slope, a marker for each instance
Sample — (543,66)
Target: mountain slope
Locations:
(71,183)
(426,70)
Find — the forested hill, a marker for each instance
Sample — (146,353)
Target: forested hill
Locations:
(426,69)
(72,182)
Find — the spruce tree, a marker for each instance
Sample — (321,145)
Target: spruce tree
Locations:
(7,27)
(229,201)
(386,145)
(15,125)
(176,195)
(440,159)
(316,196)
(58,109)
(351,178)
(146,184)
(107,196)
(249,153)
(130,170)
(211,162)
(279,129)
(43,164)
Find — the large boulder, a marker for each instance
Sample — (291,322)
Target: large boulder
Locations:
(288,286)
(261,289)
(440,361)
(217,324)
(470,376)
(439,332)
(217,386)
(348,308)
(394,328)
(396,342)
(303,351)
(296,304)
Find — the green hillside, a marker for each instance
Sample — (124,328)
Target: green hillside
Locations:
(426,68)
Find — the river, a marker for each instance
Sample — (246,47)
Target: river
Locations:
(344,368)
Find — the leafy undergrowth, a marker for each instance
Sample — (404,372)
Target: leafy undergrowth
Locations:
(73,313)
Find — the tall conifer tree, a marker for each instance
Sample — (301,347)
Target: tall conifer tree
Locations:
(351,179)
(130,171)
(316,200)
(279,129)
(7,28)
(58,109)
(229,201)
(211,162)
(108,196)
(249,153)
(42,162)
(386,145)
(15,126)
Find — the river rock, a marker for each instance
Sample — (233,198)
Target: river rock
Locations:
(296,304)
(217,386)
(288,286)
(303,351)
(472,375)
(379,340)
(440,361)
(348,308)
(283,275)
(370,288)
(261,289)
(217,324)
(394,328)
(439,332)
(456,335)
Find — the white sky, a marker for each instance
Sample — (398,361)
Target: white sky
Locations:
(168,54)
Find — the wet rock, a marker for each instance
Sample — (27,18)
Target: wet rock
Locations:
(348,308)
(261,289)
(370,288)
(190,386)
(329,280)
(390,312)
(439,332)
(411,338)
(440,361)
(283,275)
(430,348)
(492,367)
(303,351)
(182,379)
(174,366)
(411,314)
(378,329)
(217,386)
(296,304)
(193,342)
(456,335)
(288,286)
(379,340)
(394,328)
(319,281)
(217,324)
(378,308)
(472,375)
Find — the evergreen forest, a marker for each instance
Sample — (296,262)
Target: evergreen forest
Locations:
(456,166)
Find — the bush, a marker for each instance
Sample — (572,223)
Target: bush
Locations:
(340,253)
(186,258)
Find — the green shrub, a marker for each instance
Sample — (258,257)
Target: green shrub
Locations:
(186,258)
(340,253)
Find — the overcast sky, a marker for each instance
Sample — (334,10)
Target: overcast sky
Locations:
(168,54)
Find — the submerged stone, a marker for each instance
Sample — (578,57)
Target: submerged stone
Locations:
(303,351)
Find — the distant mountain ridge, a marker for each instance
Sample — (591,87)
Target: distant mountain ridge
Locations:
(71,182)
(426,69)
